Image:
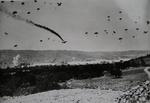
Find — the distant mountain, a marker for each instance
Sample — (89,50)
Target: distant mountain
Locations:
(11,57)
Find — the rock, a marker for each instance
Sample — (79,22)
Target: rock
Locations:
(138,94)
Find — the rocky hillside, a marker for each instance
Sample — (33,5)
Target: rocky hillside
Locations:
(137,94)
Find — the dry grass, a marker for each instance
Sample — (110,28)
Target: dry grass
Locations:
(130,78)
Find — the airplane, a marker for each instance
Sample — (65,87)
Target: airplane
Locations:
(59,4)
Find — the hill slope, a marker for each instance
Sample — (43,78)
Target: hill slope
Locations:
(7,57)
(68,96)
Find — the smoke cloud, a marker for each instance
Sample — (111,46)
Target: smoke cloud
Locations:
(16,60)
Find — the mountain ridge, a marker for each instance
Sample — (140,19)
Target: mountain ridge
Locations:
(58,56)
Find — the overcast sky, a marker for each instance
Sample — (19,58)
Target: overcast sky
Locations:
(72,20)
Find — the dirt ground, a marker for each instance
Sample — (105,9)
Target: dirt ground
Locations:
(67,96)
(130,78)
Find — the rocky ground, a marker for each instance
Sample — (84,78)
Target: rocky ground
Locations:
(137,94)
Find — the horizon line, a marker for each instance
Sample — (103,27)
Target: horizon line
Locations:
(73,50)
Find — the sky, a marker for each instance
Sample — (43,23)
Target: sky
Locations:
(82,23)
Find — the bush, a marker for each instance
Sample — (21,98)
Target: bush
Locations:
(44,83)
(117,73)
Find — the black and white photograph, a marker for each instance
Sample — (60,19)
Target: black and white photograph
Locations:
(74,51)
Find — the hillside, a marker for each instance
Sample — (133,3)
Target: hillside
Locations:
(67,96)
(58,56)
(108,90)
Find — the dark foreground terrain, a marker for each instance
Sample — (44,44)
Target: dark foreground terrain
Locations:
(89,90)
(30,80)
